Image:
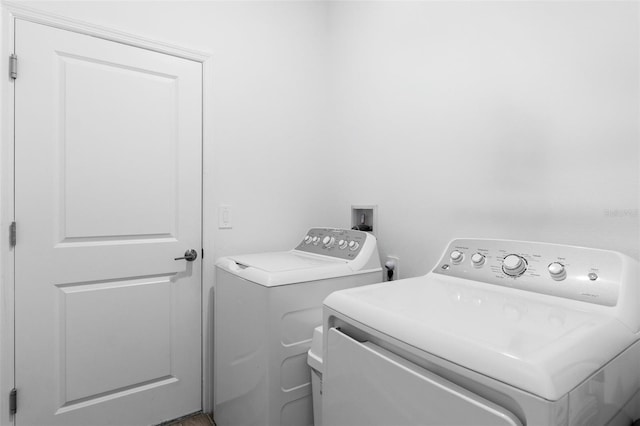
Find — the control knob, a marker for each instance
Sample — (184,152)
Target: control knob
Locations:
(456,256)
(514,265)
(328,241)
(307,239)
(478,259)
(353,245)
(557,271)
(342,244)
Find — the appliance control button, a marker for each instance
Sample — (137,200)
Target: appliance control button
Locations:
(557,271)
(316,240)
(328,241)
(456,256)
(593,276)
(478,259)
(514,265)
(353,245)
(307,239)
(342,244)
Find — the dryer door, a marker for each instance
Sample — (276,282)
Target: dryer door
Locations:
(367,385)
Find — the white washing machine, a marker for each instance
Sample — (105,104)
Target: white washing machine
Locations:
(266,308)
(499,333)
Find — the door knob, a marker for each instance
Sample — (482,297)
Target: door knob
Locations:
(189,255)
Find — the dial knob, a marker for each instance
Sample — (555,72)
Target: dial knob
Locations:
(328,241)
(456,256)
(514,265)
(353,245)
(342,244)
(478,259)
(307,239)
(557,271)
(315,240)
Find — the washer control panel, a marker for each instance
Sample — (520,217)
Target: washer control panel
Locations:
(341,243)
(589,275)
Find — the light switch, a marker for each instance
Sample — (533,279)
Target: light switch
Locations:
(224,217)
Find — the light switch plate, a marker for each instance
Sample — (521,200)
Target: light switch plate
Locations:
(224,217)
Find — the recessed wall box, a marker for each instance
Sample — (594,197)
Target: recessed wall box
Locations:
(365,218)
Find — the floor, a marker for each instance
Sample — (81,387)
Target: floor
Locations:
(195,420)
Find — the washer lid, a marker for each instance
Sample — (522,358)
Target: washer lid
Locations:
(281,268)
(541,344)
(284,261)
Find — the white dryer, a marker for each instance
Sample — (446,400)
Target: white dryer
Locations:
(499,333)
(266,308)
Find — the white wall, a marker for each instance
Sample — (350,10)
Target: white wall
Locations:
(514,120)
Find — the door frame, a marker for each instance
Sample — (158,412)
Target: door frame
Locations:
(9,12)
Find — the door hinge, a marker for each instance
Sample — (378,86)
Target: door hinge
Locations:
(12,234)
(13,401)
(13,66)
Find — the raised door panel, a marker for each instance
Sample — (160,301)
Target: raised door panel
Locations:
(119,178)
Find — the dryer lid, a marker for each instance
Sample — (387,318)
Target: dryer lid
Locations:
(537,343)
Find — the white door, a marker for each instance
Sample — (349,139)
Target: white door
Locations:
(108,192)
